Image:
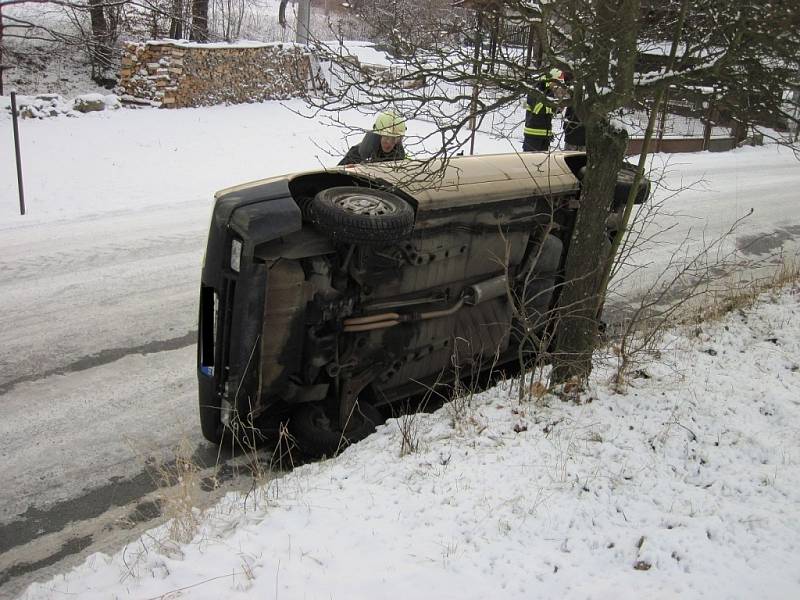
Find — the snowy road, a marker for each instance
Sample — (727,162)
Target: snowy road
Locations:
(68,286)
(98,316)
(699,198)
(98,303)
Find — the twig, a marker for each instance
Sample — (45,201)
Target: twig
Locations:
(163,596)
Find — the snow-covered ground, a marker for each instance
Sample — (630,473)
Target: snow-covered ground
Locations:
(98,281)
(687,485)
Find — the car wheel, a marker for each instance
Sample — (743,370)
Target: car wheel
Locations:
(361,215)
(210,424)
(317,434)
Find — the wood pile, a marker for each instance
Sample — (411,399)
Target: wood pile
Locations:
(181,74)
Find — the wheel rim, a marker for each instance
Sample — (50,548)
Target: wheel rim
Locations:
(359,204)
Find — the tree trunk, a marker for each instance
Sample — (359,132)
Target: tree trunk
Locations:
(199,20)
(662,123)
(477,69)
(529,51)
(587,255)
(282,13)
(707,125)
(100,50)
(176,20)
(304,21)
(493,35)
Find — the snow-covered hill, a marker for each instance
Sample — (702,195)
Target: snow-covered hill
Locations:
(98,305)
(687,485)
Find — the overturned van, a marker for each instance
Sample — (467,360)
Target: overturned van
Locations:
(328,294)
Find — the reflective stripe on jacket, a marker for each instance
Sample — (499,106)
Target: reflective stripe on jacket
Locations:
(538,108)
(539,132)
(538,117)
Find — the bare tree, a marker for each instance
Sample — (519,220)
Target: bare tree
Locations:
(177,19)
(199,20)
(100,49)
(2,65)
(95,26)
(474,70)
(229,17)
(92,25)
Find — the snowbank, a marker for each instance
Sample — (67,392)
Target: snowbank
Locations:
(43,106)
(688,485)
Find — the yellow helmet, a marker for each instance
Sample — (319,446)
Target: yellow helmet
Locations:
(390,124)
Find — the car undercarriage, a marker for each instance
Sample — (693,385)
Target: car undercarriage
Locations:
(330,294)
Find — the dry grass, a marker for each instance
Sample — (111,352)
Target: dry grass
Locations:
(745,294)
(186,488)
(179,490)
(641,339)
(408,424)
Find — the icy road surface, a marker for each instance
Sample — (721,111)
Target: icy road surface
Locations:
(99,282)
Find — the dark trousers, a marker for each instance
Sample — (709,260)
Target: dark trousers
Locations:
(536,143)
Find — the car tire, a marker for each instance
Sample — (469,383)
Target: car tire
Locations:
(316,435)
(358,215)
(210,424)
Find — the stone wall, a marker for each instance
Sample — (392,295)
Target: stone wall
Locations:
(174,74)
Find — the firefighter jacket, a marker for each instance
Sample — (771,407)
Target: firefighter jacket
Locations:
(538,117)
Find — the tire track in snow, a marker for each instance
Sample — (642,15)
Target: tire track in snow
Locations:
(105,357)
(20,266)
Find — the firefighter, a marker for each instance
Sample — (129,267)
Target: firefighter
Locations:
(539,114)
(384,142)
